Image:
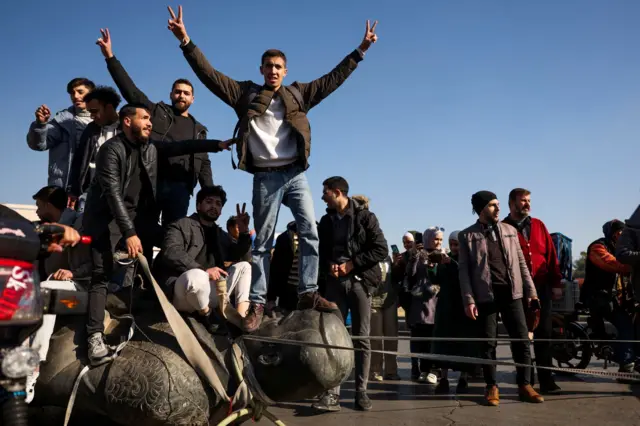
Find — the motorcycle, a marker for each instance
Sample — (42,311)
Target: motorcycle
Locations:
(22,306)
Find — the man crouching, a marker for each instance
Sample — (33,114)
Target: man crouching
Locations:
(193,255)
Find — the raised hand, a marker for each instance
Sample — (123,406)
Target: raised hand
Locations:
(369,36)
(43,114)
(105,43)
(242,218)
(176,25)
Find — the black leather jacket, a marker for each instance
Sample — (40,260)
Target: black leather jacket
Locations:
(105,201)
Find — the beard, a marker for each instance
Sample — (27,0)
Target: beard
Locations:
(180,107)
(138,135)
(209,215)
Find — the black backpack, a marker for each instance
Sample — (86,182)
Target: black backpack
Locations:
(246,102)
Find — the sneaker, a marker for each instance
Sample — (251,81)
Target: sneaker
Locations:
(363,403)
(429,378)
(327,402)
(97,350)
(375,377)
(31,386)
(252,321)
(313,300)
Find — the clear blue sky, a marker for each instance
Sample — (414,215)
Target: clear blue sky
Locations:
(456,96)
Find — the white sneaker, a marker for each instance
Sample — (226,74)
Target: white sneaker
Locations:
(31,386)
(430,378)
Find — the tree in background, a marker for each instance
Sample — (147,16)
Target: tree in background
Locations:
(580,265)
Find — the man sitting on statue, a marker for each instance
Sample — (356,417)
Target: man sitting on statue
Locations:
(193,256)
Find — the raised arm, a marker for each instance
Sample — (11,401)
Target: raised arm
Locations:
(130,92)
(315,91)
(227,89)
(44,133)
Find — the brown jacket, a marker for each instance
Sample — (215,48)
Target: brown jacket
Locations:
(235,94)
(473,265)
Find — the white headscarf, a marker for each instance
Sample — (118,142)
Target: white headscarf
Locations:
(430,234)
(454,235)
(408,236)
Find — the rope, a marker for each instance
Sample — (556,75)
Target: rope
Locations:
(451,358)
(496,339)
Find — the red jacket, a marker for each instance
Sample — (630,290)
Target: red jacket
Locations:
(540,255)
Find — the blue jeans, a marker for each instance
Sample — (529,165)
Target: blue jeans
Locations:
(270,190)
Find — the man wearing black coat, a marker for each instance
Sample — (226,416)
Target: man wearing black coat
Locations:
(351,247)
(124,189)
(178,175)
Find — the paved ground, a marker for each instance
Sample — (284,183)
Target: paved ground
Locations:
(584,401)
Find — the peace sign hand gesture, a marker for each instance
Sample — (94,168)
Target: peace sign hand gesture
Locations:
(176,25)
(242,218)
(369,36)
(105,43)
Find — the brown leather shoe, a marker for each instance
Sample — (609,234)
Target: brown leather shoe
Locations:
(313,300)
(527,394)
(252,321)
(492,396)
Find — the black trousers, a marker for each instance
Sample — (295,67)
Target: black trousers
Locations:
(351,295)
(423,347)
(512,314)
(544,330)
(102,250)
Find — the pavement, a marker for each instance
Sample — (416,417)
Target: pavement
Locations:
(584,401)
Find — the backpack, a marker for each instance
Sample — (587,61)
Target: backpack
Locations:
(248,98)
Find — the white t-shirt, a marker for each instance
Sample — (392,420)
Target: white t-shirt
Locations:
(272,142)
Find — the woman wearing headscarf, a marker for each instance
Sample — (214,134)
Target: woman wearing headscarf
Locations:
(420,282)
(451,321)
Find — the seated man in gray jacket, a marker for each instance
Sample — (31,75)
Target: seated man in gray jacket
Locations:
(494,278)
(193,255)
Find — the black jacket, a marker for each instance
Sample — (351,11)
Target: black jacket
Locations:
(367,245)
(281,262)
(79,177)
(183,242)
(197,164)
(105,201)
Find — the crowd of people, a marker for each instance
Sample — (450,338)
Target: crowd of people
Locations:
(125,176)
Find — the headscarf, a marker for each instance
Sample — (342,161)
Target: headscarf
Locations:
(454,235)
(409,236)
(611,228)
(430,234)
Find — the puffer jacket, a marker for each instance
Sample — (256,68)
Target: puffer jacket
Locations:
(59,137)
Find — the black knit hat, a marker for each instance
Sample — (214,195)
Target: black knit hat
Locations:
(480,199)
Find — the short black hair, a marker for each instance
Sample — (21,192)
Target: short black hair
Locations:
(130,110)
(273,53)
(232,221)
(80,81)
(211,191)
(182,81)
(337,183)
(54,195)
(105,95)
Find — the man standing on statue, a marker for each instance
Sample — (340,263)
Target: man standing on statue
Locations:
(274,142)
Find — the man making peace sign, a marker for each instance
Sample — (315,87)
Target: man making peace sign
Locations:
(274,142)
(193,255)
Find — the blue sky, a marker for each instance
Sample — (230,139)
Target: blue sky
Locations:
(456,96)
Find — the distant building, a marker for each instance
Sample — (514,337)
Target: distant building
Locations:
(28,211)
